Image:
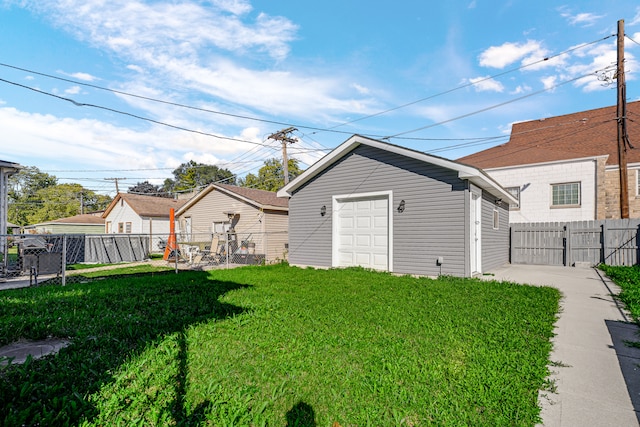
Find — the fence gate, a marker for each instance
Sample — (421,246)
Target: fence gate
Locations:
(613,242)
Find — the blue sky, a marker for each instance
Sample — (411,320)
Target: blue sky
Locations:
(447,78)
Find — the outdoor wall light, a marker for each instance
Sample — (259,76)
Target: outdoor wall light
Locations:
(401,206)
(323,210)
(498,201)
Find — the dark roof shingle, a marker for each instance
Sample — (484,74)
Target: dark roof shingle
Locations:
(147,206)
(584,134)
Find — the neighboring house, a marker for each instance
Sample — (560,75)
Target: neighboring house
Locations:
(566,168)
(258,216)
(13,228)
(6,170)
(78,224)
(138,214)
(377,205)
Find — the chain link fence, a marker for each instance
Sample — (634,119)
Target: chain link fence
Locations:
(230,248)
(34,258)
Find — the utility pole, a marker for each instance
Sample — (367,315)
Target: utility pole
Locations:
(622,125)
(283,136)
(116,180)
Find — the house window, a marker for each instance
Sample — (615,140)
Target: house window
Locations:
(496,219)
(108,227)
(515,192)
(220,227)
(566,194)
(127,226)
(121,227)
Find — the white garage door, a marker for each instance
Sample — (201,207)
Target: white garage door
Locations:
(362,234)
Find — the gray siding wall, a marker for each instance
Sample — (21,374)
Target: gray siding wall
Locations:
(432,225)
(495,243)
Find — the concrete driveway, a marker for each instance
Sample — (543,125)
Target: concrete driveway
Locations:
(597,376)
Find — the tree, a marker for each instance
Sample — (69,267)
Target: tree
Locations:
(147,188)
(65,200)
(271,175)
(22,194)
(191,175)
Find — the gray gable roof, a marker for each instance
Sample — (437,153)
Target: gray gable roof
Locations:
(259,198)
(474,175)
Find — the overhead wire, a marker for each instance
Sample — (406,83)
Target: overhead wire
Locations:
(491,107)
(113,110)
(288,124)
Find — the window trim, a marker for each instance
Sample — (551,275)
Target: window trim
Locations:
(496,219)
(566,205)
(515,207)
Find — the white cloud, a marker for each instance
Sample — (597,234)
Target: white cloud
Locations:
(581,19)
(237,7)
(486,84)
(509,53)
(187,44)
(549,82)
(361,89)
(73,90)
(520,89)
(84,77)
(636,19)
(94,145)
(179,28)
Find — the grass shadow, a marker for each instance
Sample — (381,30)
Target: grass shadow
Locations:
(108,321)
(622,334)
(301,415)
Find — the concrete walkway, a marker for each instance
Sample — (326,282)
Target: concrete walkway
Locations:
(597,376)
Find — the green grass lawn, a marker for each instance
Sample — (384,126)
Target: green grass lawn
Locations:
(628,278)
(280,346)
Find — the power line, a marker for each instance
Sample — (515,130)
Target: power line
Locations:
(315,129)
(474,83)
(491,107)
(124,113)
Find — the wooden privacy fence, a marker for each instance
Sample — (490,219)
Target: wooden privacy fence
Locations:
(611,241)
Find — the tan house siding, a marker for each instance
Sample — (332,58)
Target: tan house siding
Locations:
(278,238)
(601,188)
(613,194)
(266,228)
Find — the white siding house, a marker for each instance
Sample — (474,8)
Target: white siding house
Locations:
(138,214)
(534,187)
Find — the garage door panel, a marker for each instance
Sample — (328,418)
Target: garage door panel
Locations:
(363,222)
(363,240)
(380,222)
(380,203)
(380,241)
(379,259)
(346,222)
(346,240)
(363,258)
(346,259)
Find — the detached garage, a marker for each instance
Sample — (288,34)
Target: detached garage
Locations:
(381,206)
